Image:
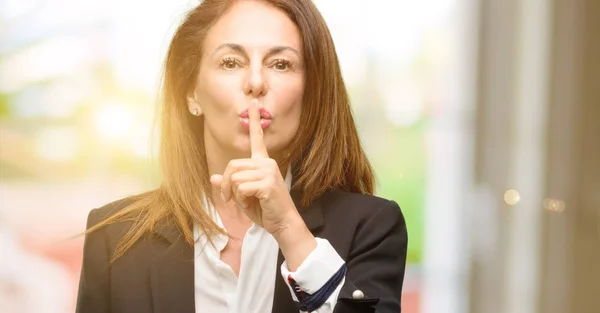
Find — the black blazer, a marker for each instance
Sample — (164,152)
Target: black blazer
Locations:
(157,273)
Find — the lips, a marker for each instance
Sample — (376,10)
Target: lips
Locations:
(265,118)
(264,114)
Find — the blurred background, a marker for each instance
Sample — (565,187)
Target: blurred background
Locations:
(481,117)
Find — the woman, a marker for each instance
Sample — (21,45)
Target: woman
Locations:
(266,202)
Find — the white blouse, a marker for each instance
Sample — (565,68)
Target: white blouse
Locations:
(219,290)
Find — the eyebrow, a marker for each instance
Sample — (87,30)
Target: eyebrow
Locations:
(271,52)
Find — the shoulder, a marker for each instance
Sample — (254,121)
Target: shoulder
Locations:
(104,233)
(359,206)
(358,201)
(100,214)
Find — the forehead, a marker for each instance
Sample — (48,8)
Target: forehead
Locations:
(254,25)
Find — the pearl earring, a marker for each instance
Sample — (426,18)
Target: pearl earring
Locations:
(195,111)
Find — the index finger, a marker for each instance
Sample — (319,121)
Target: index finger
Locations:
(257,144)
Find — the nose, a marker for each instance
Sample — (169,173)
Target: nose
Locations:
(255,84)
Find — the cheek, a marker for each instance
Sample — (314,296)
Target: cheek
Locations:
(214,92)
(290,102)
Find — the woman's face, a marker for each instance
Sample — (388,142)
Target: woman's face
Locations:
(253,51)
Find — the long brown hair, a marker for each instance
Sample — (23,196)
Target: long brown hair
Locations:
(326,153)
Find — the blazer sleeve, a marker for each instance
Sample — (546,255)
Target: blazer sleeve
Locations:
(94,283)
(376,264)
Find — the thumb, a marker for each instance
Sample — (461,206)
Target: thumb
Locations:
(215,181)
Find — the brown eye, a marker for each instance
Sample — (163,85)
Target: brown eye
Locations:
(229,64)
(282,65)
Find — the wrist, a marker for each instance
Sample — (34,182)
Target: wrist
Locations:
(295,241)
(291,231)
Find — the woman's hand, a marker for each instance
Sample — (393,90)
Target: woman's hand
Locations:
(256,184)
(258,188)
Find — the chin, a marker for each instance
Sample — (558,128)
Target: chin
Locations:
(241,152)
(242,146)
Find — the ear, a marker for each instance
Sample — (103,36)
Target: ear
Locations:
(193,105)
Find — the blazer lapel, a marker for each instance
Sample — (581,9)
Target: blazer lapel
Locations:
(172,277)
(313,218)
